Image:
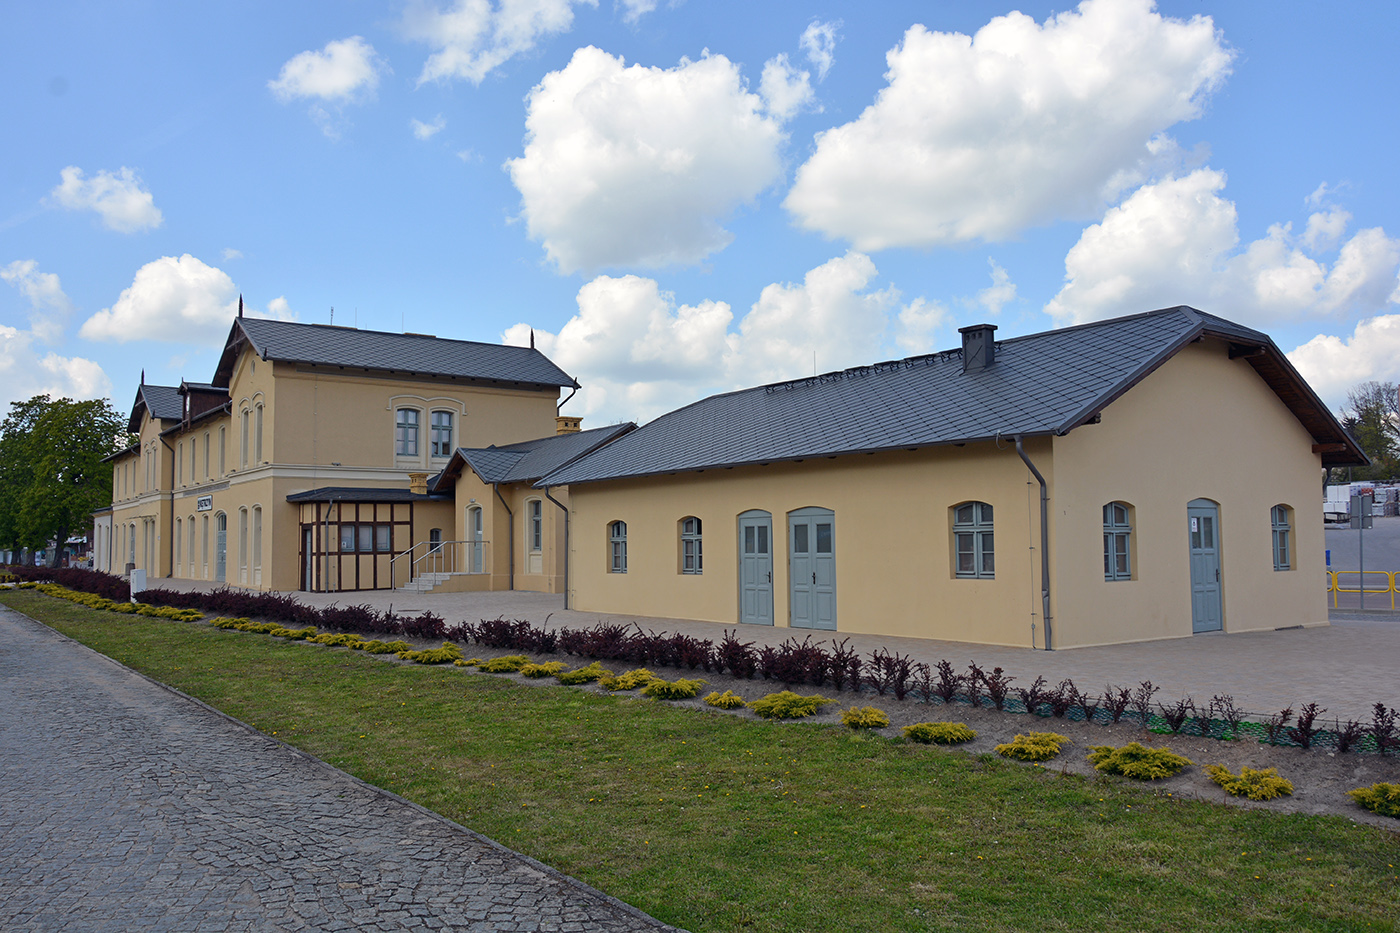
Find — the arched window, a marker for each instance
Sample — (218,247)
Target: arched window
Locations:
(617,547)
(534,510)
(223,452)
(246,449)
(973,552)
(258,435)
(1282,520)
(692,557)
(1117,541)
(442,434)
(189,569)
(257,545)
(175,553)
(243,546)
(406,432)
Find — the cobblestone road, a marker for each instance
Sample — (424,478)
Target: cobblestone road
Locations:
(124,806)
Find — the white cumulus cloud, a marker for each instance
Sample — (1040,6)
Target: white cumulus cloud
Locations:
(819,42)
(1177,241)
(1332,365)
(638,354)
(784,89)
(639,166)
(25,369)
(977,138)
(427,131)
(1002,290)
(633,10)
(345,72)
(175,299)
(471,38)
(118,198)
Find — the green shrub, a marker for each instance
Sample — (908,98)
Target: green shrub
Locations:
(547,669)
(1137,761)
(787,705)
(444,655)
(864,717)
(336,639)
(584,675)
(375,646)
(1379,798)
(631,680)
(939,733)
(679,689)
(1036,746)
(506,665)
(1254,783)
(725,700)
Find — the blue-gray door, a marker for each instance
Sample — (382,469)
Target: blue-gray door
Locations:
(756,567)
(812,568)
(1203,519)
(221,548)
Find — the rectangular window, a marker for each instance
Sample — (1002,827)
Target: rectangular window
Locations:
(382,538)
(1117,534)
(366,539)
(1282,526)
(442,434)
(347,538)
(536,525)
(406,433)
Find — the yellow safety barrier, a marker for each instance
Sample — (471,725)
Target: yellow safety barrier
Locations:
(1369,582)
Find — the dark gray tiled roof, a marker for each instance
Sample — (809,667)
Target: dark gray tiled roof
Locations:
(358,494)
(418,354)
(163,402)
(529,460)
(1046,383)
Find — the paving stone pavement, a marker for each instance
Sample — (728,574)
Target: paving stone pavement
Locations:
(127,806)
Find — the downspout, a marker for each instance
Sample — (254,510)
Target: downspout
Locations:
(566,543)
(496,487)
(171,529)
(566,401)
(1044,543)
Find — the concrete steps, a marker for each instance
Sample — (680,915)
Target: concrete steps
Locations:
(425,582)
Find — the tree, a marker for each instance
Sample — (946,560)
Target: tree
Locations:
(1372,415)
(52,477)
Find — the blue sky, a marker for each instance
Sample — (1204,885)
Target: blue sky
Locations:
(688,197)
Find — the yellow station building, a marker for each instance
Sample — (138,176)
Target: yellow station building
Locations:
(1146,477)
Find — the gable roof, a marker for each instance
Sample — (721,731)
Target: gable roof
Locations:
(410,354)
(163,402)
(528,460)
(1040,384)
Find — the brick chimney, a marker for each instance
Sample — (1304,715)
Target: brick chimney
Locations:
(979,347)
(418,484)
(563,424)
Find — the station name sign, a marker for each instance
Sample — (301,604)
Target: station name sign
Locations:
(204,504)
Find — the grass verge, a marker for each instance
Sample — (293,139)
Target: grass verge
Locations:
(719,824)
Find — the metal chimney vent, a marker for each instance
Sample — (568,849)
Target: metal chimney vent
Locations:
(979,346)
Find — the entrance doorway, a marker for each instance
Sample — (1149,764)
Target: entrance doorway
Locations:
(812,568)
(221,547)
(756,567)
(1203,522)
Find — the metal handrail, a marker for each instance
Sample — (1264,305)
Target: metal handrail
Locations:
(1363,586)
(439,557)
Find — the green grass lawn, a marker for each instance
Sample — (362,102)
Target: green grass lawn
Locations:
(716,823)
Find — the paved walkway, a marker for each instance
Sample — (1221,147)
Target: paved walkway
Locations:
(1346,667)
(125,806)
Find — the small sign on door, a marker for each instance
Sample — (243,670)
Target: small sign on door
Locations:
(1195,526)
